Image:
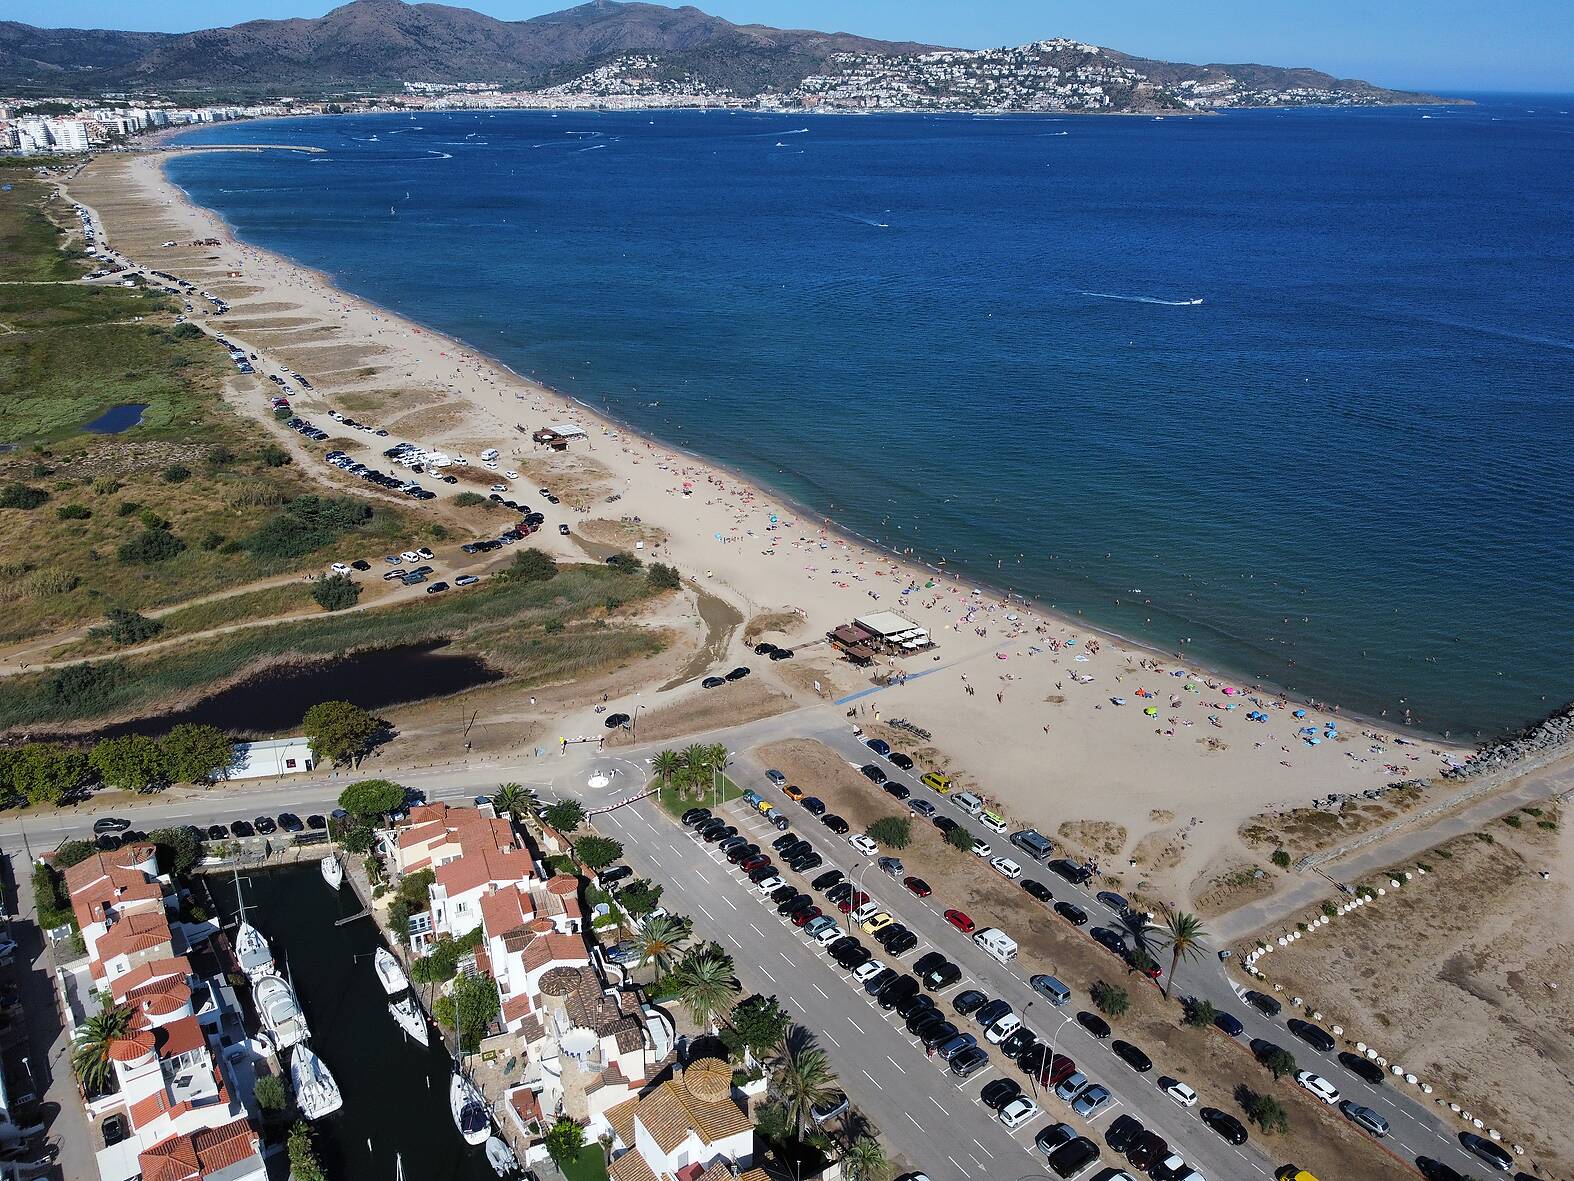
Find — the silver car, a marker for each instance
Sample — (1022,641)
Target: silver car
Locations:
(1364,1117)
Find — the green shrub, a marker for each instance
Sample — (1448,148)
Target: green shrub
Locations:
(663,577)
(893,832)
(1110,999)
(1281,858)
(274,456)
(127,508)
(126,627)
(22,496)
(150,546)
(151,520)
(211,540)
(220,456)
(106,486)
(73,512)
(176,473)
(305,524)
(1512,820)
(185,330)
(336,593)
(470,499)
(624,563)
(532,565)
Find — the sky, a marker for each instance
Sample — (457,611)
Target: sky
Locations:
(1443,45)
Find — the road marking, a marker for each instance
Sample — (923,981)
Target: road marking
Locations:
(820,990)
(872,1079)
(708,914)
(936,1102)
(783,954)
(834,1042)
(982,1149)
(729,902)
(920,1127)
(854,1024)
(757,931)
(892,1060)
(767,973)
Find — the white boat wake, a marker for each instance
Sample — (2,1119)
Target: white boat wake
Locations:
(1168,303)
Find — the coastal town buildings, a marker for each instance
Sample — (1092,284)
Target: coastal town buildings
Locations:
(174,1107)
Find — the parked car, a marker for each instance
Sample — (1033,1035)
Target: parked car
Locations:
(1225,1124)
(1262,1002)
(1318,1086)
(917,887)
(1313,1035)
(1091,1100)
(1094,1024)
(110,824)
(1230,1024)
(970,1060)
(872,773)
(1073,914)
(1365,1118)
(1131,1055)
(1181,1093)
(1123,1132)
(1362,1067)
(960,921)
(1017,1112)
(1480,1146)
(1037,890)
(1072,1158)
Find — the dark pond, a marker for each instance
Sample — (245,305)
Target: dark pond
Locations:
(117,419)
(275,701)
(395,1091)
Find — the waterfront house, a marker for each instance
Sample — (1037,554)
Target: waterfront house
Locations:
(687,1128)
(276,756)
(231,1152)
(122,908)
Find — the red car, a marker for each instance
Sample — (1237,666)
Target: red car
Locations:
(917,886)
(852,902)
(804,917)
(754,863)
(960,921)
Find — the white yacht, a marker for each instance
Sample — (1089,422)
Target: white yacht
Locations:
(469,1109)
(252,951)
(332,871)
(316,1092)
(501,1157)
(389,971)
(280,1011)
(410,1018)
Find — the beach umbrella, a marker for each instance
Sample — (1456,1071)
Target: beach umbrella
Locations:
(1151,712)
(1300,713)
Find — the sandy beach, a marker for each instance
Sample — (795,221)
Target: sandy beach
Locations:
(1125,753)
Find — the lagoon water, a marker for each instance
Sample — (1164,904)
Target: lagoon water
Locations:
(1345,470)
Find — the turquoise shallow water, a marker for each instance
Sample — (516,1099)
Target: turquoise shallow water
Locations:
(1346,470)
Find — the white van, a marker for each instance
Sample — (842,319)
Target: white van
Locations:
(997,943)
(968,802)
(489,453)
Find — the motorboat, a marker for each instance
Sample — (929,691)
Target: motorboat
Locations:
(332,871)
(389,972)
(410,1018)
(501,1157)
(316,1091)
(469,1109)
(252,951)
(280,1011)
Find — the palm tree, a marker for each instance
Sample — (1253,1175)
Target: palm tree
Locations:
(1135,925)
(707,985)
(1183,935)
(696,764)
(90,1051)
(511,799)
(661,939)
(667,763)
(865,1160)
(803,1077)
(720,760)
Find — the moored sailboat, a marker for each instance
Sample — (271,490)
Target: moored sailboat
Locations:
(280,1011)
(252,951)
(410,1018)
(316,1090)
(389,972)
(469,1111)
(332,871)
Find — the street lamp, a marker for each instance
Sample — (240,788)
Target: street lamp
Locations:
(1064,1021)
(634,725)
(858,885)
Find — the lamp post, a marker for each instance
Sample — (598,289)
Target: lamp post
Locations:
(858,885)
(1055,1037)
(634,725)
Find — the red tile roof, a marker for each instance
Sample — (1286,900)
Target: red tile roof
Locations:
(180,1036)
(137,931)
(111,880)
(199,1154)
(502,911)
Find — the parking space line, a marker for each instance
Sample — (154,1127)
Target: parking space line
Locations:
(819,990)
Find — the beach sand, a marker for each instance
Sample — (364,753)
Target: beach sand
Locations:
(1019,702)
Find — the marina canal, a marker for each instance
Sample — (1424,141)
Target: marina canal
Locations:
(395,1090)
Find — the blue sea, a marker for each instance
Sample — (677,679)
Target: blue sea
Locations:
(1289,391)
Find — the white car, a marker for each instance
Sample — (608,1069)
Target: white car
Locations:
(771,883)
(863,844)
(829,936)
(866,972)
(865,912)
(1016,1113)
(1318,1086)
(1007,868)
(340,568)
(511,475)
(410,555)
(981,849)
(1004,1028)
(499,487)
(1181,1093)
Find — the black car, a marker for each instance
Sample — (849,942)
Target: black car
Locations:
(782,654)
(1036,889)
(937,1034)
(316,822)
(942,976)
(217,832)
(1070,870)
(945,824)
(290,822)
(1436,1170)
(1229,1024)
(1123,1132)
(805,902)
(813,805)
(781,893)
(241,829)
(720,834)
(900,943)
(1094,1024)
(693,816)
(265,825)
(827,879)
(1019,1043)
(924,1017)
(879,745)
(998,1093)
(879,980)
(1147,1149)
(1225,1124)
(895,990)
(110,824)
(1110,940)
(1071,1158)
(791,902)
(872,773)
(835,823)
(616,874)
(759,875)
(1131,1056)
(738,673)
(1313,1035)
(764,649)
(804,862)
(1074,915)
(1262,1049)
(739,849)
(712,683)
(897,791)
(969,1000)
(901,760)
(709,824)
(615,720)
(107,841)
(360,564)
(1263,1003)
(784,840)
(1362,1067)
(906,1005)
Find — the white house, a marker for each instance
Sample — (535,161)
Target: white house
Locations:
(276,756)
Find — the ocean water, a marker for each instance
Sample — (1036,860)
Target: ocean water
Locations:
(1346,470)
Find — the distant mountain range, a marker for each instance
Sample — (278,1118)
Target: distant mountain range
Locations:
(606,50)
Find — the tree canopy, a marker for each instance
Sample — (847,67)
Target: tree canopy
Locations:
(178,850)
(565,1140)
(336,592)
(43,772)
(596,853)
(341,732)
(755,1026)
(195,753)
(892,832)
(564,815)
(371,797)
(132,762)
(532,565)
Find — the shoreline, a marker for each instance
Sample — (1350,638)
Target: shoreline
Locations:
(920,565)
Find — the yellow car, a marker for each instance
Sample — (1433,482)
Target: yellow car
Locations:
(1294,1173)
(793,792)
(878,922)
(941,783)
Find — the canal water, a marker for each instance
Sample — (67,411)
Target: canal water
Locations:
(395,1091)
(117,419)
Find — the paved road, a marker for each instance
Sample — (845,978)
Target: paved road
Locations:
(891,1093)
